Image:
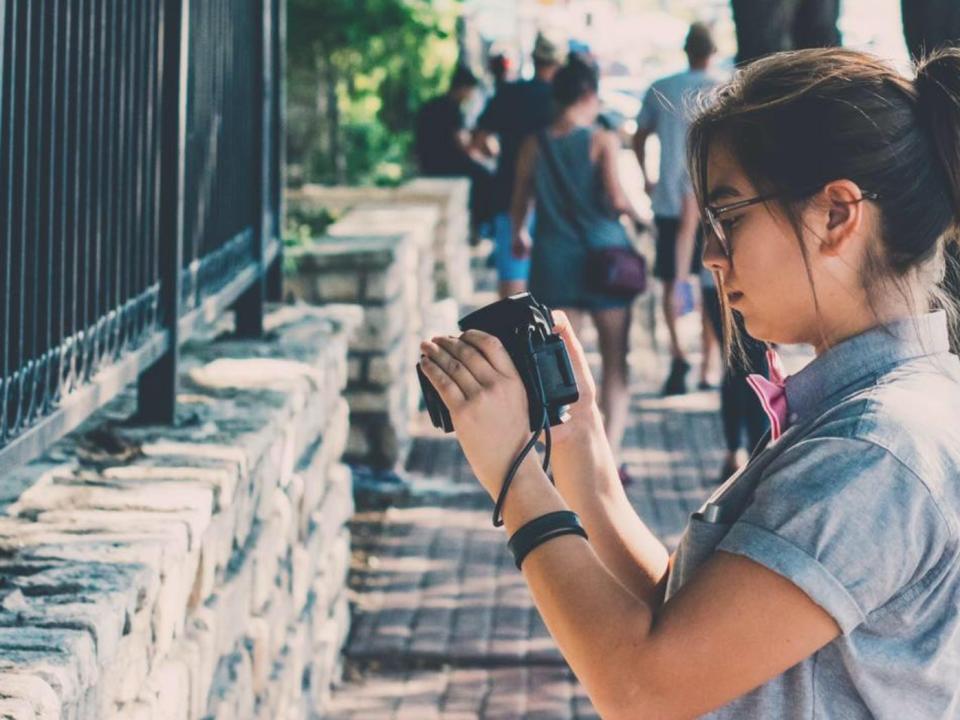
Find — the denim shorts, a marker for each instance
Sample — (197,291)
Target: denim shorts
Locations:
(508,266)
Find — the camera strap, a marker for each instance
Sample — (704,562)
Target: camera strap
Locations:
(515,466)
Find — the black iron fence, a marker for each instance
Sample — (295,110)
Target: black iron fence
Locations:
(139,197)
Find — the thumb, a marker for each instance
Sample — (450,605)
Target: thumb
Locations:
(578,358)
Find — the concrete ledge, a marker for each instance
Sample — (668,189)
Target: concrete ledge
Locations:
(450,196)
(195,571)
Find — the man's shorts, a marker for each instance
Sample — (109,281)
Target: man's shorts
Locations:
(509,267)
(665,264)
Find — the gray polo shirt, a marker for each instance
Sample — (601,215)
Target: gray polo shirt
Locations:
(667,110)
(857,505)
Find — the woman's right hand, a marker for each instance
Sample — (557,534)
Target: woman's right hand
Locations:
(522,242)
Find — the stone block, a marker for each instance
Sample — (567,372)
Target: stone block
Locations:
(261,657)
(383,328)
(18,690)
(356,370)
(384,285)
(232,696)
(339,286)
(64,658)
(124,676)
(359,253)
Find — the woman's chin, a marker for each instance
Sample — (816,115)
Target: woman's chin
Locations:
(768,332)
(755,327)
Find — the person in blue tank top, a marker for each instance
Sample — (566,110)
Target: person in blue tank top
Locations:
(578,200)
(823,579)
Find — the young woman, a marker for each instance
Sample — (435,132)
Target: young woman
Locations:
(824,579)
(569,174)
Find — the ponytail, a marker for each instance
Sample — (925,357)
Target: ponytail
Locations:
(938,101)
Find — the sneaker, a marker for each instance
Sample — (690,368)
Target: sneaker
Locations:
(676,383)
(704,385)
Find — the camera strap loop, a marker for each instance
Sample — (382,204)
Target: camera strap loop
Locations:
(501,499)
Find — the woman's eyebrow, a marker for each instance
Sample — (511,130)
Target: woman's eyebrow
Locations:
(723,191)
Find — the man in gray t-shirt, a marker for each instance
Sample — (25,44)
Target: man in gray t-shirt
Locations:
(665,113)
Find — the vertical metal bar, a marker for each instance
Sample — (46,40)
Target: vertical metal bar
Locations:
(96,286)
(18,182)
(113,123)
(86,349)
(35,239)
(67,149)
(6,202)
(72,181)
(127,239)
(121,186)
(85,188)
(156,149)
(27,230)
(157,387)
(139,239)
(56,171)
(250,306)
(278,157)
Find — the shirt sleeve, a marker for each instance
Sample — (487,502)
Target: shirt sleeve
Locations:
(846,522)
(649,111)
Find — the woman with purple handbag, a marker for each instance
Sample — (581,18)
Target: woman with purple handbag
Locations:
(582,261)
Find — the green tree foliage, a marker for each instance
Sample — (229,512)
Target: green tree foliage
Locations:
(357,72)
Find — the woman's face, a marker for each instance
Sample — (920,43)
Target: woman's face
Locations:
(766,279)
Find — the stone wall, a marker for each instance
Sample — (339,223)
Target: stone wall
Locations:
(377,273)
(196,571)
(449,195)
(398,253)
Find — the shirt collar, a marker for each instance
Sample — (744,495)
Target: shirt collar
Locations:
(858,361)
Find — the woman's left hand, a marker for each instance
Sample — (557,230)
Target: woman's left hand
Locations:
(480,385)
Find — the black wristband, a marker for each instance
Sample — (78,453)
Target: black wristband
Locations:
(546,527)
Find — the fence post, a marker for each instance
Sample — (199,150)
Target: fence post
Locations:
(250,306)
(278,139)
(157,387)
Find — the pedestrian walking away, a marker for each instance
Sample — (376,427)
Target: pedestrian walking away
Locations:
(568,175)
(443,145)
(517,111)
(666,114)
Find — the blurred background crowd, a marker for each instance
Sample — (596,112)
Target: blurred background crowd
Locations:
(570,118)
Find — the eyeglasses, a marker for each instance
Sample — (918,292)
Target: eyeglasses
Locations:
(713,214)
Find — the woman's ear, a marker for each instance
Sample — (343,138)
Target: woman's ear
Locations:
(843,217)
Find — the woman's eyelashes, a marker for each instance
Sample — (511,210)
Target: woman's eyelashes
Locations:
(728,224)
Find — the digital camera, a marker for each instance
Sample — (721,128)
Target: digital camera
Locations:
(525,327)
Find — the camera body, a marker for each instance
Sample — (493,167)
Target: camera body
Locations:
(525,327)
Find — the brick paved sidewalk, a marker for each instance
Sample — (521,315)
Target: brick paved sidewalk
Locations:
(443,624)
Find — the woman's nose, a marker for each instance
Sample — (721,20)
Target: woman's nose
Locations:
(714,259)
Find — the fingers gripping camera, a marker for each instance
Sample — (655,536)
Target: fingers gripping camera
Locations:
(524,326)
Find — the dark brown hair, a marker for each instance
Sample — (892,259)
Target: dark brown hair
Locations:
(799,120)
(575,80)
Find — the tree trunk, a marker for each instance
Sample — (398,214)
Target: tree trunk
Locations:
(929,24)
(329,108)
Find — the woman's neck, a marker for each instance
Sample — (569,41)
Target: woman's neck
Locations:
(572,118)
(852,324)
